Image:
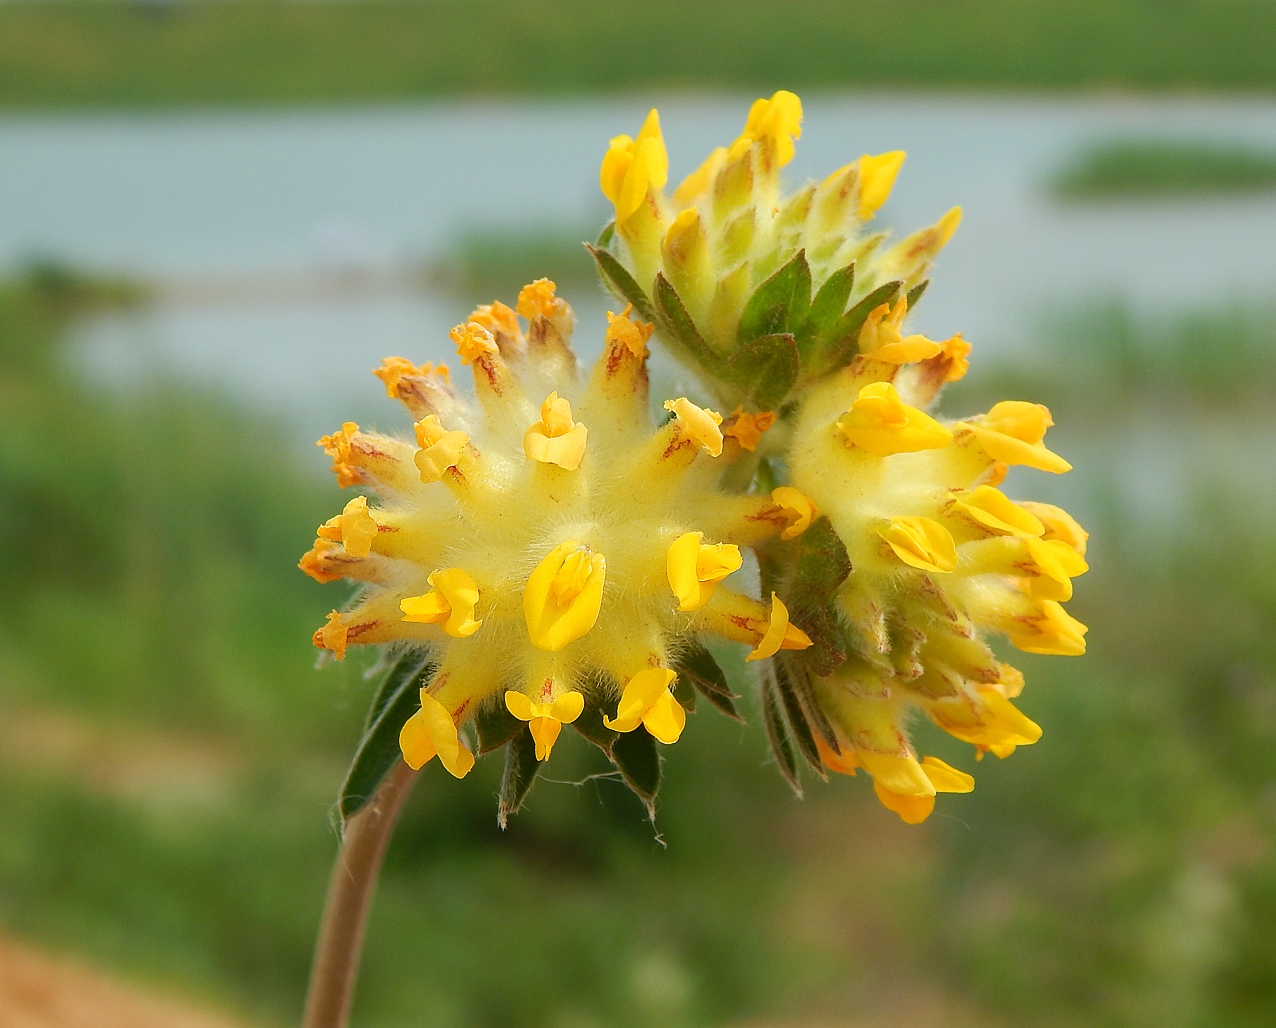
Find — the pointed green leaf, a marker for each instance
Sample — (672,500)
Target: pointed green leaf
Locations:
(766,367)
(822,565)
(495,725)
(826,309)
(521,768)
(378,750)
(590,725)
(777,734)
(780,303)
(607,234)
(635,755)
(916,292)
(787,685)
(620,282)
(685,693)
(672,314)
(696,665)
(838,349)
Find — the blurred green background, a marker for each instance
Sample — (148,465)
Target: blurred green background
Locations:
(169,755)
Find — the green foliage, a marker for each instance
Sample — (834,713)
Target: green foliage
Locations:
(484,264)
(220,52)
(1166,168)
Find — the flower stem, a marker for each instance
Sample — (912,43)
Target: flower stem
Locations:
(350,892)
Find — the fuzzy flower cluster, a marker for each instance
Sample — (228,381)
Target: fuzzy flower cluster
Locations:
(561,557)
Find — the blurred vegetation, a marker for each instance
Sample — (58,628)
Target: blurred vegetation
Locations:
(168,756)
(1166,168)
(159,52)
(481,263)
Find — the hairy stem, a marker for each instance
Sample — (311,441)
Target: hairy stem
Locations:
(350,892)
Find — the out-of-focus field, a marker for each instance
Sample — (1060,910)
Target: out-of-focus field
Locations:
(158,52)
(168,755)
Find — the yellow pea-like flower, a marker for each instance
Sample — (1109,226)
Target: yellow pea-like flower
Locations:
(450,603)
(545,719)
(563,595)
(877,179)
(700,423)
(1013,432)
(647,700)
(921,543)
(994,510)
(882,424)
(439,450)
(797,508)
(632,168)
(431,732)
(695,568)
(556,438)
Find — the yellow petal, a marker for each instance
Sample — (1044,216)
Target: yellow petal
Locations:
(537,300)
(898,772)
(431,608)
(665,719)
(946,778)
(563,595)
(1054,631)
(843,763)
(414,741)
(700,423)
(556,438)
(451,603)
(913,810)
(432,730)
(921,543)
(358,529)
(545,733)
(1059,524)
(473,342)
(778,627)
(777,121)
(633,335)
(1056,559)
(697,183)
(680,568)
(800,510)
(694,569)
(567,708)
(996,511)
(639,696)
(880,423)
(520,705)
(877,179)
(439,448)
(1013,432)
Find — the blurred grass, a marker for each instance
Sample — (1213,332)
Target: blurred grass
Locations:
(162,52)
(1119,873)
(1166,168)
(481,264)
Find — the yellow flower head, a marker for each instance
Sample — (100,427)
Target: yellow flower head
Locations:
(551,553)
(941,559)
(550,556)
